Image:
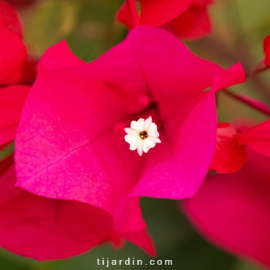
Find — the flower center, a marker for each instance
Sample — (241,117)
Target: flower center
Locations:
(143,135)
(148,135)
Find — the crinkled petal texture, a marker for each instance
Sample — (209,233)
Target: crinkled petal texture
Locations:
(186,19)
(230,156)
(12,99)
(232,210)
(50,229)
(266,45)
(258,138)
(66,146)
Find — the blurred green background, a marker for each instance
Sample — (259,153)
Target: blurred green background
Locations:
(90,29)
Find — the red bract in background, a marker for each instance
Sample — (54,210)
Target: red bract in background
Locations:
(258,138)
(48,229)
(13,56)
(16,70)
(187,19)
(12,50)
(12,99)
(233,210)
(230,156)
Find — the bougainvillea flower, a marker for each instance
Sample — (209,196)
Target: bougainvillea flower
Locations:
(67,146)
(49,229)
(232,210)
(230,156)
(12,99)
(12,50)
(186,19)
(266,45)
(258,138)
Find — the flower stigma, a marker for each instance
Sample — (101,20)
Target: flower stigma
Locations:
(142,135)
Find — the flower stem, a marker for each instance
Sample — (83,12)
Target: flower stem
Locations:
(256,105)
(259,68)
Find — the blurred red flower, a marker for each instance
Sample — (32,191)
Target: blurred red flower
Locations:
(15,69)
(258,138)
(12,49)
(186,19)
(49,229)
(232,210)
(230,156)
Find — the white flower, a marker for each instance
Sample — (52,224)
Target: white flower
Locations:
(142,135)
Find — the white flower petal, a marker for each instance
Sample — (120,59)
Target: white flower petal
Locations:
(131,132)
(137,125)
(133,146)
(151,144)
(154,139)
(140,147)
(147,123)
(133,141)
(145,148)
(129,138)
(147,145)
(152,131)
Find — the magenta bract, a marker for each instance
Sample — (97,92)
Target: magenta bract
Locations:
(67,146)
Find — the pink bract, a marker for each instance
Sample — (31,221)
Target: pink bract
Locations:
(66,144)
(232,211)
(186,19)
(49,229)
